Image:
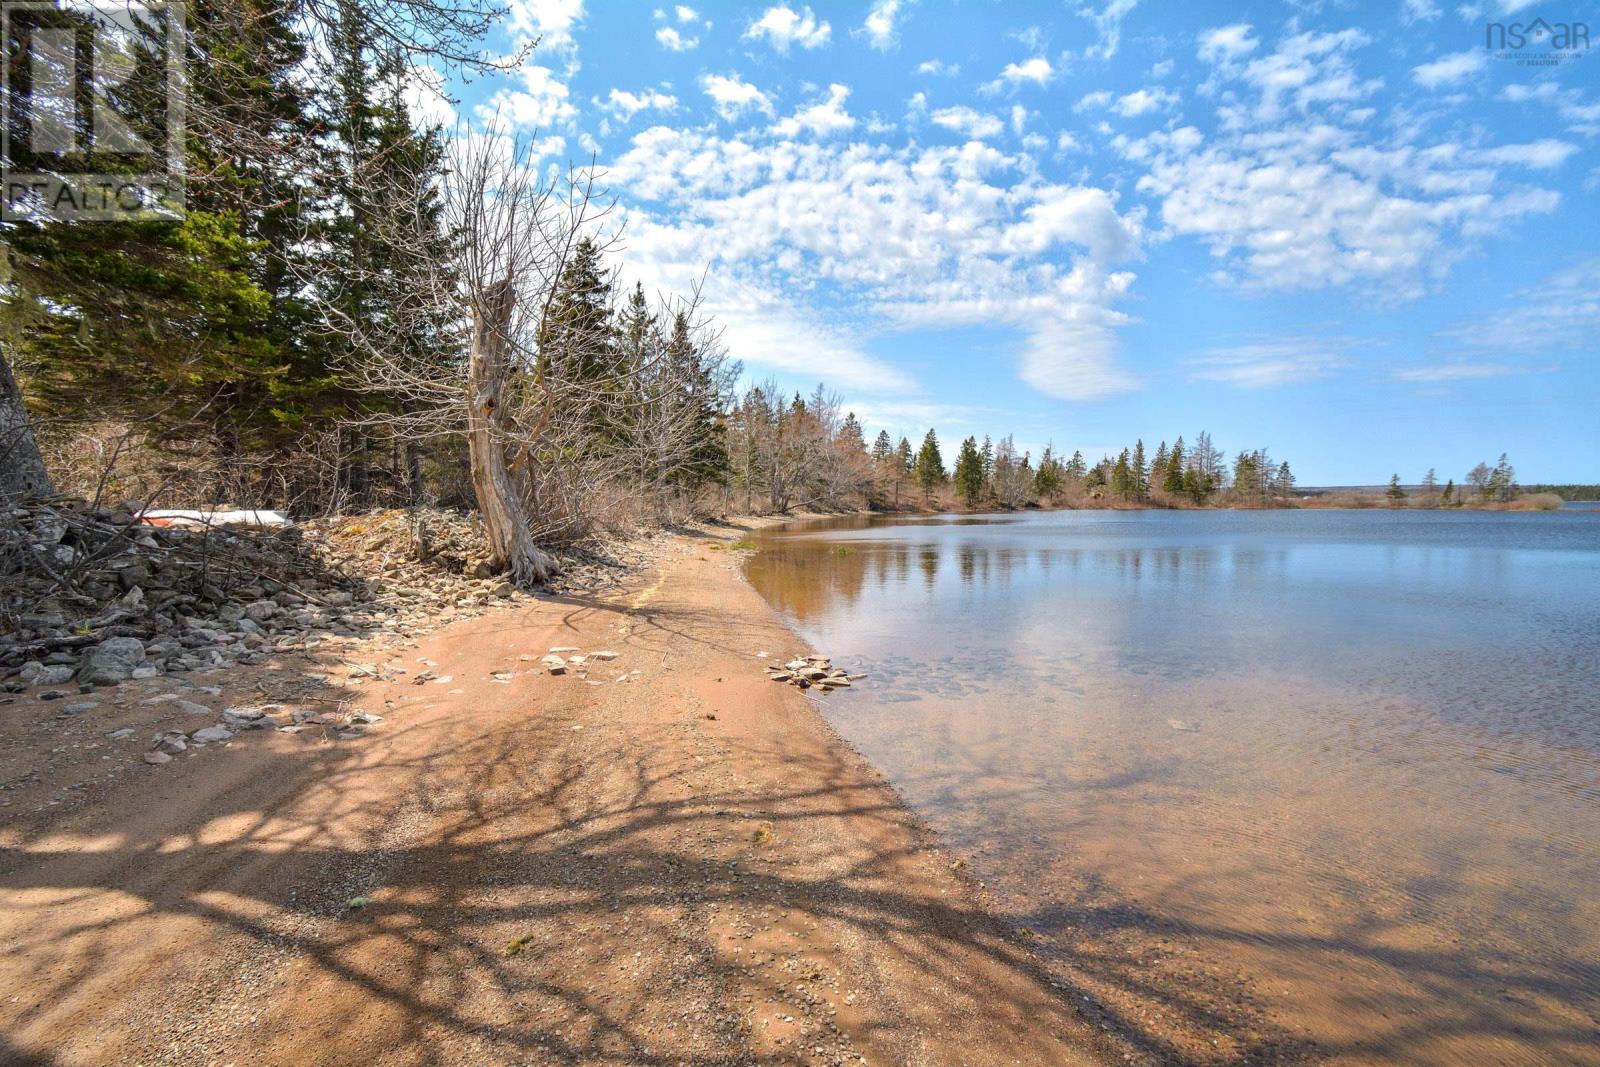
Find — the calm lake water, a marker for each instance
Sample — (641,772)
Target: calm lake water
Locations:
(1273,786)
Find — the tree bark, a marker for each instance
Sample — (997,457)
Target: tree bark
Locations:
(499,489)
(22,472)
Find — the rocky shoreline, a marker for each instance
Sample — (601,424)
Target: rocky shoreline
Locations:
(96,597)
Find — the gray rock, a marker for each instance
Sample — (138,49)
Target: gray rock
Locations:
(260,611)
(81,707)
(38,674)
(246,717)
(111,661)
(211,734)
(118,735)
(157,757)
(139,674)
(170,741)
(191,708)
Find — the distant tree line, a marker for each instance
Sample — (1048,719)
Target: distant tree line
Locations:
(1567,492)
(802,452)
(1483,485)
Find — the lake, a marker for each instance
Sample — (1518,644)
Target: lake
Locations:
(1265,786)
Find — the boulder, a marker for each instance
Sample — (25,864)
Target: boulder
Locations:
(111,661)
(260,611)
(35,673)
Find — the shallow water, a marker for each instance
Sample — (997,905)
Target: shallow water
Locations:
(1290,785)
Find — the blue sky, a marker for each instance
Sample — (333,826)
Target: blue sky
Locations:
(1348,232)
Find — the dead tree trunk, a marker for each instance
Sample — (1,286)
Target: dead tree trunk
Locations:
(22,472)
(498,487)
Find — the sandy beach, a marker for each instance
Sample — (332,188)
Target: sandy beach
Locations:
(670,860)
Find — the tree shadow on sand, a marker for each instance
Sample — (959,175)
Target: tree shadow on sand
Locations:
(518,826)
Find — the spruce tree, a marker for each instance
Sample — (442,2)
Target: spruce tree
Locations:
(1047,479)
(1395,493)
(930,465)
(969,477)
(1076,468)
(1177,466)
(1122,477)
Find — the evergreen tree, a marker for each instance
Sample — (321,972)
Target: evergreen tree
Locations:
(1502,484)
(1076,469)
(1449,497)
(1283,485)
(704,453)
(1395,494)
(850,436)
(969,478)
(904,466)
(576,338)
(1122,482)
(1177,465)
(882,449)
(1137,471)
(1047,479)
(930,465)
(190,326)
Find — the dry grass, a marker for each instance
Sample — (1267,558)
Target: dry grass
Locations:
(1536,502)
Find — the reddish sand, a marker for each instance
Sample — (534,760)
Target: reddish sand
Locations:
(687,867)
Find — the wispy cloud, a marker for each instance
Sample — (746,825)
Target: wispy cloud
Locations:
(1452,372)
(1447,70)
(1271,362)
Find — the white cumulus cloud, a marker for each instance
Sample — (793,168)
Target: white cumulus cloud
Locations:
(782,27)
(732,96)
(820,119)
(879,26)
